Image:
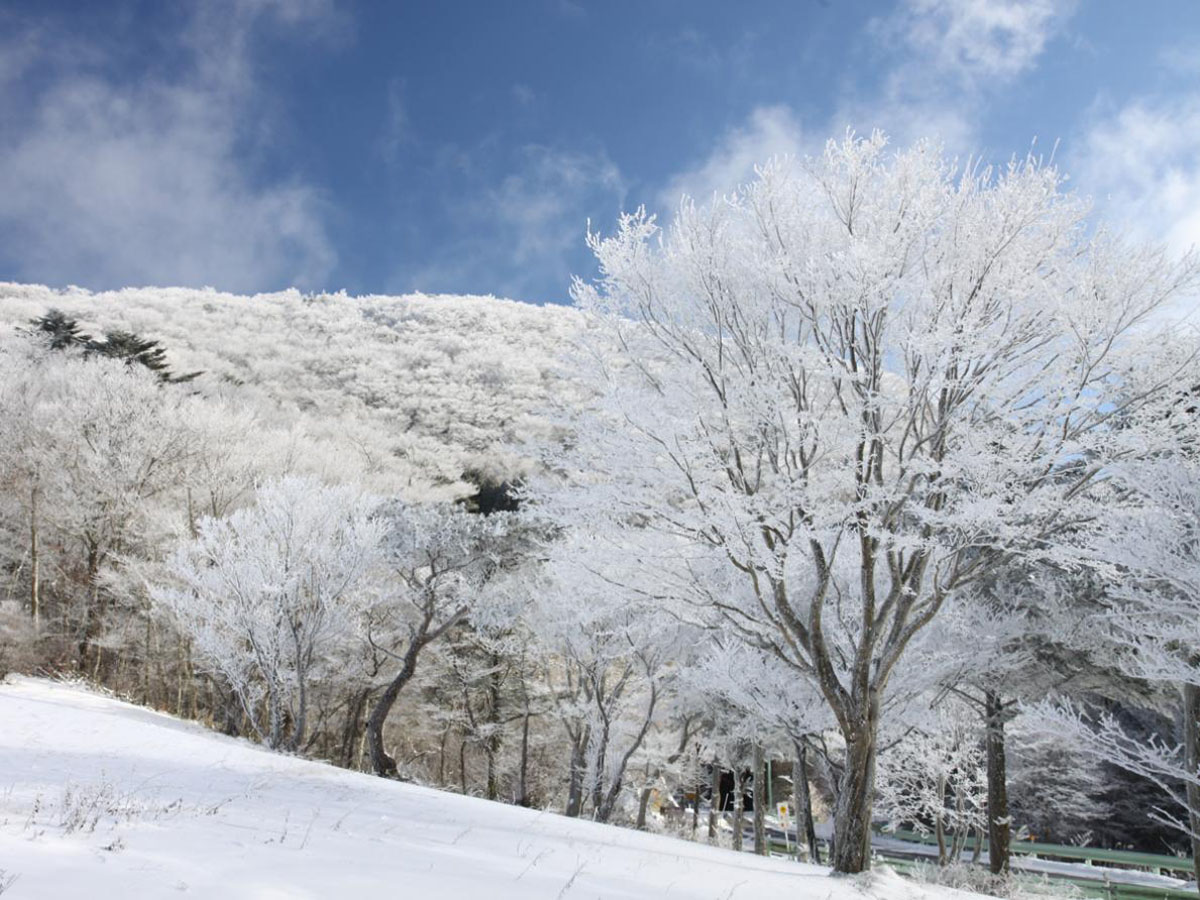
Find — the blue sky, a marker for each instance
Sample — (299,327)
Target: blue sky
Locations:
(463,146)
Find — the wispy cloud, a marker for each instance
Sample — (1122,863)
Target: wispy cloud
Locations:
(942,60)
(144,180)
(1141,163)
(523,94)
(768,132)
(525,229)
(976,41)
(948,59)
(396,126)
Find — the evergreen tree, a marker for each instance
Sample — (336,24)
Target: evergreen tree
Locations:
(63,332)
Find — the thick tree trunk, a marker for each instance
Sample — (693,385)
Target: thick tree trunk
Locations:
(1191,760)
(999,829)
(383,764)
(852,813)
(760,801)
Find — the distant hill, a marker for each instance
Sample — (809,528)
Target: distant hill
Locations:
(420,389)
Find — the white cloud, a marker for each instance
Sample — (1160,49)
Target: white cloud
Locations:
(115,182)
(1141,164)
(769,131)
(951,55)
(537,204)
(978,39)
(944,58)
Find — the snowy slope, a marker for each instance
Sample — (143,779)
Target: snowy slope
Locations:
(100,798)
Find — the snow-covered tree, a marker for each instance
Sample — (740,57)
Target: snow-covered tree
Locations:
(1148,545)
(862,381)
(612,660)
(935,778)
(438,558)
(267,593)
(90,451)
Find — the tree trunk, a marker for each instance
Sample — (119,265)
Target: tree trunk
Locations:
(760,802)
(1191,760)
(523,768)
(93,619)
(575,780)
(643,805)
(352,726)
(441,776)
(275,717)
(739,803)
(803,803)
(491,744)
(714,802)
(852,814)
(462,764)
(999,829)
(381,762)
(35,590)
(939,824)
(492,791)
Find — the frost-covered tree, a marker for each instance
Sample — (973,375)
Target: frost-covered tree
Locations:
(438,559)
(267,594)
(612,662)
(1148,545)
(91,454)
(861,381)
(935,778)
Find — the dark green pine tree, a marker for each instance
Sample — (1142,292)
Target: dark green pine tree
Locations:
(135,349)
(63,333)
(61,330)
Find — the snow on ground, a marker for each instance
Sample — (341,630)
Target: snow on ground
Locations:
(100,798)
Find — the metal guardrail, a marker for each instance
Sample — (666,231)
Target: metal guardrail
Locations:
(1150,862)
(1098,888)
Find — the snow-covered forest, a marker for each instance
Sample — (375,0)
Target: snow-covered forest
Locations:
(871,488)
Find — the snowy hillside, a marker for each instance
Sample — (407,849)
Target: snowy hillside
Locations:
(415,389)
(104,799)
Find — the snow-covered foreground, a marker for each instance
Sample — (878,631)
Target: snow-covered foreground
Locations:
(100,798)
